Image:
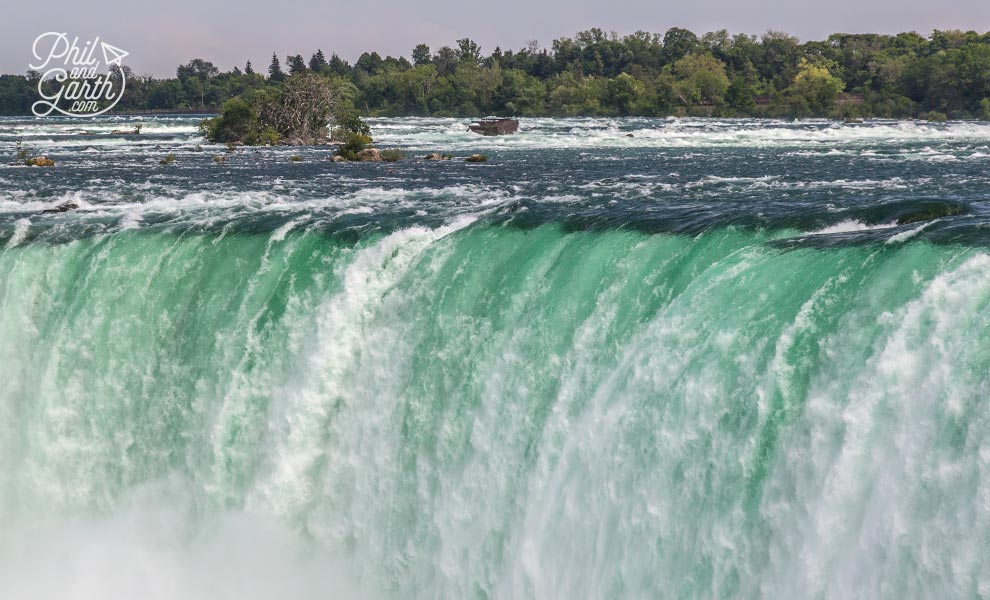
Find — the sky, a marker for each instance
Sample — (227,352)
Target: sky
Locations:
(163,34)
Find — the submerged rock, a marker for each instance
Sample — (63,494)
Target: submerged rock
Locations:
(61,208)
(929,211)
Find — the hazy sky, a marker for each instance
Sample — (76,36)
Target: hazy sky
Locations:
(162,34)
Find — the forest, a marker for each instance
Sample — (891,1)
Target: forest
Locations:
(595,73)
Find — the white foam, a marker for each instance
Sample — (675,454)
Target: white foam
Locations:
(903,236)
(850,226)
(205,207)
(21,227)
(827,138)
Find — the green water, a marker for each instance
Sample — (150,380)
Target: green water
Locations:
(478,411)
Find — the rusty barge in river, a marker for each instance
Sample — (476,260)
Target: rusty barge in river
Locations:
(495,126)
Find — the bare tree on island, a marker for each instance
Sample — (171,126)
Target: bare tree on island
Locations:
(300,112)
(304,112)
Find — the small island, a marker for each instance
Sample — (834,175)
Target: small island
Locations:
(306,111)
(302,112)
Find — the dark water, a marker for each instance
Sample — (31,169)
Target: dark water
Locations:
(678,176)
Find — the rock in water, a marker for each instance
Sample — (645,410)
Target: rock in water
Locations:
(436,156)
(61,208)
(135,131)
(40,161)
(476,158)
(369,155)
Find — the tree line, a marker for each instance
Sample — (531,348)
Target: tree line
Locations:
(943,75)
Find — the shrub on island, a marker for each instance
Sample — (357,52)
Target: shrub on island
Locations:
(392,155)
(352,145)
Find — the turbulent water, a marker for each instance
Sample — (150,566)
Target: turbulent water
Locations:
(710,359)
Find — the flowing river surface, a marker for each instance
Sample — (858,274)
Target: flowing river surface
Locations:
(624,358)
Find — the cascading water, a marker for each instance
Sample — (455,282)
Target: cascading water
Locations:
(748,359)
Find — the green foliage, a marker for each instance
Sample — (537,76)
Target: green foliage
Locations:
(295,158)
(237,122)
(350,125)
(573,95)
(935,116)
(421,55)
(594,73)
(296,64)
(169,159)
(353,144)
(275,72)
(318,63)
(468,52)
(888,105)
(392,155)
(814,89)
(677,44)
(741,96)
(269,137)
(519,93)
(17,94)
(701,79)
(622,92)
